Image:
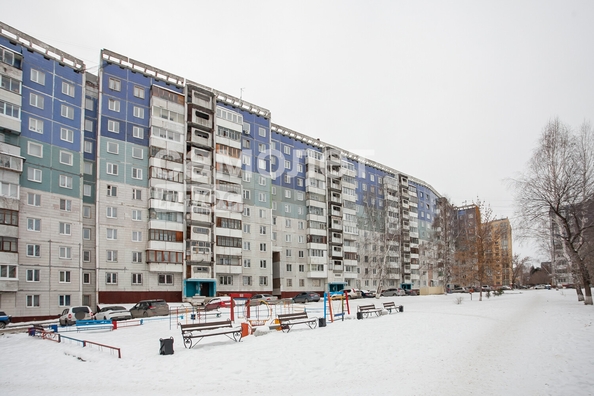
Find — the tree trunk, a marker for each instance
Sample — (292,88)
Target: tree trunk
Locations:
(578,290)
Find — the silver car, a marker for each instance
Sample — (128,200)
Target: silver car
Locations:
(148,308)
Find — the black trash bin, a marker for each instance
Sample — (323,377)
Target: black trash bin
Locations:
(322,322)
(401,308)
(166,346)
(359,315)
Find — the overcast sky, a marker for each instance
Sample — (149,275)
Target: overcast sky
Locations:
(455,93)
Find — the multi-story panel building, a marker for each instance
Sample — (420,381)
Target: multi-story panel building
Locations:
(139,183)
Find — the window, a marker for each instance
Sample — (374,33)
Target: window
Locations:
(35,149)
(87,212)
(86,233)
(261,147)
(137,153)
(38,76)
(64,276)
(66,135)
(288,253)
(66,157)
(32,300)
(137,279)
(113,126)
(287,193)
(262,197)
(262,230)
(261,163)
(138,132)
(67,111)
(246,160)
(67,88)
(287,164)
(165,279)
(36,100)
(89,104)
(139,92)
(112,169)
(112,233)
(262,181)
(65,228)
(287,150)
(289,282)
(137,257)
(288,238)
(115,84)
(66,181)
(247,280)
(247,177)
(34,175)
(35,125)
(111,212)
(65,253)
(263,281)
(33,199)
(262,131)
(136,194)
(88,147)
(111,278)
(246,194)
(262,213)
(113,105)
(136,236)
(33,224)
(111,255)
(33,250)
(246,245)
(113,147)
(136,214)
(262,247)
(262,263)
(247,263)
(138,112)
(33,275)
(137,173)
(301,268)
(66,205)
(87,256)
(87,190)
(89,125)
(86,278)
(88,168)
(247,212)
(8,271)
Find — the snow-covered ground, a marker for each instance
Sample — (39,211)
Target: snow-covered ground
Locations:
(537,342)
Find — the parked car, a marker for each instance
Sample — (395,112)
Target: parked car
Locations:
(113,312)
(148,308)
(353,293)
(393,292)
(4,319)
(70,315)
(505,287)
(486,288)
(306,297)
(263,298)
(367,293)
(539,286)
(459,290)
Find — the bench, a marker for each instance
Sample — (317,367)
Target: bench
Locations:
(94,325)
(195,332)
(390,306)
(287,321)
(365,311)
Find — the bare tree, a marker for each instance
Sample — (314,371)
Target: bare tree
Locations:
(380,229)
(559,185)
(443,236)
(520,269)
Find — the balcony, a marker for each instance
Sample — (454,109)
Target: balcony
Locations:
(317,271)
(229,269)
(201,138)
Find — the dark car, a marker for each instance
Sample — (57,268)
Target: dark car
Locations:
(306,297)
(368,293)
(147,308)
(4,319)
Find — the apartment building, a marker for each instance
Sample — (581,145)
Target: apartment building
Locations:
(137,183)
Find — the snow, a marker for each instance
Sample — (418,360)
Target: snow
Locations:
(534,342)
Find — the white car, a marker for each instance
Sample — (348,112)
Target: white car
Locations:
(263,298)
(70,315)
(113,312)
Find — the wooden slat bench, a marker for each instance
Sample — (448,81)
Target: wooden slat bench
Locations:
(368,310)
(194,333)
(287,321)
(94,325)
(390,306)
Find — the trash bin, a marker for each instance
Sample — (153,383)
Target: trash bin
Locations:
(322,322)
(193,316)
(31,331)
(166,346)
(245,330)
(401,308)
(54,328)
(359,315)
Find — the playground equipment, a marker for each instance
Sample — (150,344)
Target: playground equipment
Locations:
(335,308)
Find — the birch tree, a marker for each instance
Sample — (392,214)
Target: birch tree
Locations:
(558,186)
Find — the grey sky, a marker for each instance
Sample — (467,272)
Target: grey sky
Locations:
(455,93)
